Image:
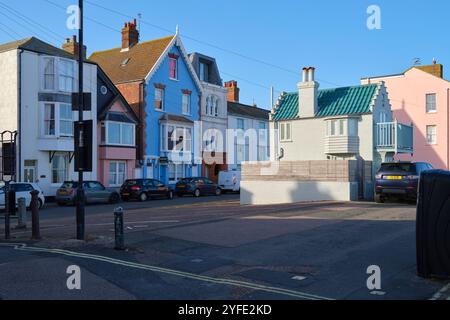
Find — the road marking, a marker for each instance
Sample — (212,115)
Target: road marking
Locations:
(298,278)
(378,293)
(438,294)
(222,281)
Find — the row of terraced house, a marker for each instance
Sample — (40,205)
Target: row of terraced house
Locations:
(166,114)
(160,112)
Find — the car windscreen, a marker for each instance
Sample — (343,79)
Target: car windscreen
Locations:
(398,167)
(185,180)
(69,185)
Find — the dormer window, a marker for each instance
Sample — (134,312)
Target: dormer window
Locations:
(204,72)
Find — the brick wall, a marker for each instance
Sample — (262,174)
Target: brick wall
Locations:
(134,93)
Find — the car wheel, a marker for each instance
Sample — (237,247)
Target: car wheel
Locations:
(218,192)
(197,193)
(179,195)
(61,204)
(143,197)
(379,198)
(114,198)
(170,195)
(125,199)
(40,204)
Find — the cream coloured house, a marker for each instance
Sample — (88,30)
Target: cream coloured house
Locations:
(326,144)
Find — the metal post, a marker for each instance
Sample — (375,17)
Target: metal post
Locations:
(7,217)
(35,231)
(80,191)
(118,227)
(22,214)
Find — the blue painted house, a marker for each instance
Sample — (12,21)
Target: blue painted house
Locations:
(158,81)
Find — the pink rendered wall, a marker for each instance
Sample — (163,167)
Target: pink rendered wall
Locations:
(108,154)
(407,94)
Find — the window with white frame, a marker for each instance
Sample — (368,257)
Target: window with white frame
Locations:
(49,119)
(65,120)
(58,74)
(431,102)
(337,127)
(159,99)
(119,133)
(60,165)
(262,141)
(66,70)
(285,131)
(186,104)
(49,74)
(432,134)
(117,173)
(57,120)
(176,138)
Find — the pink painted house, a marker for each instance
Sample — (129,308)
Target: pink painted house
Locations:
(116,132)
(421,96)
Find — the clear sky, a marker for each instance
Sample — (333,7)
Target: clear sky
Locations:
(260,43)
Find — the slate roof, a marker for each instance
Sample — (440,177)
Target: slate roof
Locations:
(243,110)
(35,45)
(141,59)
(332,102)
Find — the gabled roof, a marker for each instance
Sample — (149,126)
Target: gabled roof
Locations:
(140,59)
(35,45)
(243,110)
(331,102)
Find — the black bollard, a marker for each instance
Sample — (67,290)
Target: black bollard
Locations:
(10,210)
(35,230)
(118,227)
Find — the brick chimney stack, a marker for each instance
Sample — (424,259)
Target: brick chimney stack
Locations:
(233,91)
(130,35)
(71,46)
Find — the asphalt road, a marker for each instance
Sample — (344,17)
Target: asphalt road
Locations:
(213,248)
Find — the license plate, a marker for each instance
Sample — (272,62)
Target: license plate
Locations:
(63,193)
(181,186)
(125,194)
(394,177)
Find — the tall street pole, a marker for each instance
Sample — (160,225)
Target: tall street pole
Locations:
(79,148)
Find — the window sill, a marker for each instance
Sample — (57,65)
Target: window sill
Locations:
(172,79)
(160,110)
(286,141)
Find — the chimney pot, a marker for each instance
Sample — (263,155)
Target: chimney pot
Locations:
(233,91)
(130,35)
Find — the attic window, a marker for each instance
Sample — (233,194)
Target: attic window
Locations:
(125,62)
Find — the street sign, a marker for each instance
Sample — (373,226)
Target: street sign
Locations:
(87,99)
(83,146)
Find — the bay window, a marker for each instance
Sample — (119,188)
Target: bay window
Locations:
(57,120)
(120,134)
(58,74)
(176,138)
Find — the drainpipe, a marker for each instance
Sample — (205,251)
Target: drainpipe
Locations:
(19,111)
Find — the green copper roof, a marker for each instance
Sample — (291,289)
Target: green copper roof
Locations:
(332,102)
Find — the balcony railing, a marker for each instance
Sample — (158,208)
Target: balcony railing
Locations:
(395,137)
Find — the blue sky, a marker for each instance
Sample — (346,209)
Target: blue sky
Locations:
(277,37)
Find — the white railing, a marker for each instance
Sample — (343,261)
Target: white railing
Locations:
(395,137)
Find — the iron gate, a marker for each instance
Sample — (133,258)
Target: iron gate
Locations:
(8,156)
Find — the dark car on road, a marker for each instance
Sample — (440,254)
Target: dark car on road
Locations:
(94,191)
(399,179)
(144,189)
(197,187)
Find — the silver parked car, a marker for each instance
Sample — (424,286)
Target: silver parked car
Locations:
(94,191)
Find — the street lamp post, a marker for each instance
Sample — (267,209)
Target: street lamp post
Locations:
(79,147)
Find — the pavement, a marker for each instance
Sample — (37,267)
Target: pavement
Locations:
(214,248)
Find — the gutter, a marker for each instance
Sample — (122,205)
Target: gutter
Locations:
(19,108)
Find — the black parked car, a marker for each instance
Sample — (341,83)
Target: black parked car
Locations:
(197,187)
(144,189)
(399,179)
